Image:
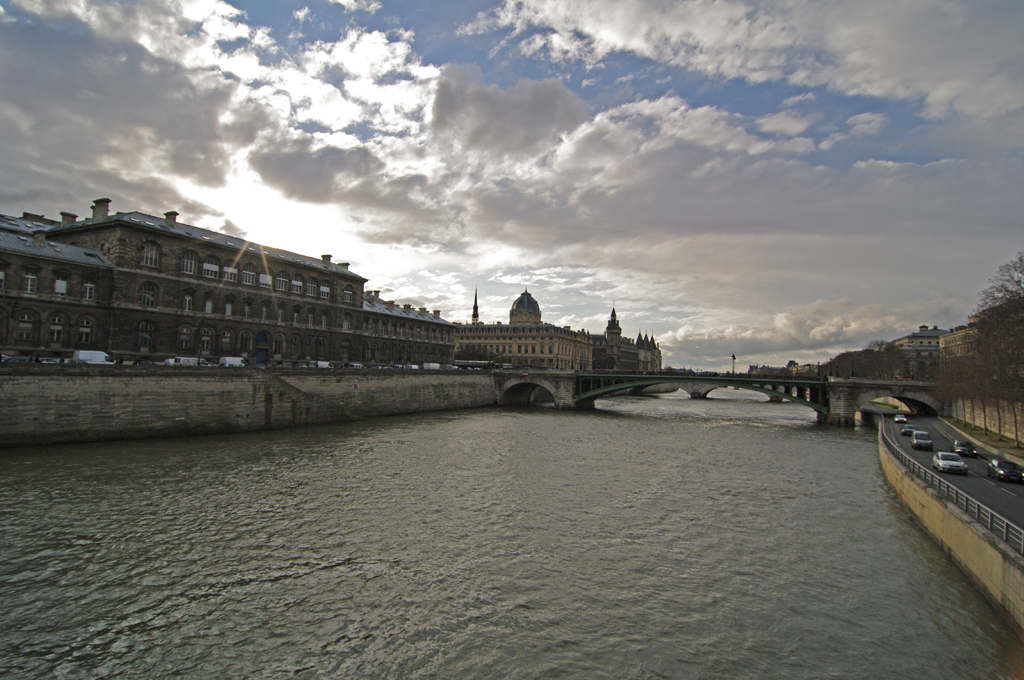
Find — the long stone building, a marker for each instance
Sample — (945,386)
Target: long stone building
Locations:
(144,287)
(616,353)
(525,341)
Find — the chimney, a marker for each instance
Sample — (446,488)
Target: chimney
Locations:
(326,259)
(423,310)
(171,218)
(67,218)
(100,209)
(390,304)
(437,313)
(922,328)
(406,307)
(40,237)
(343,265)
(376,295)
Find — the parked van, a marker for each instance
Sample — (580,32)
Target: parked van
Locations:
(231,361)
(186,361)
(320,364)
(91,356)
(431,367)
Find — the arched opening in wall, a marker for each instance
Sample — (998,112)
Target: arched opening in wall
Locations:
(918,404)
(528,394)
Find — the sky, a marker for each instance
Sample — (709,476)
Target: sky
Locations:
(776,180)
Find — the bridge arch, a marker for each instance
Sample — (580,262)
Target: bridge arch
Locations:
(919,402)
(535,389)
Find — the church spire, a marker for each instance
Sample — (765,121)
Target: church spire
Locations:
(476,310)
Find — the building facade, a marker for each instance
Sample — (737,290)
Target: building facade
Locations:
(526,341)
(921,351)
(151,288)
(613,352)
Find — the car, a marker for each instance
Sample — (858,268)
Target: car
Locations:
(964,449)
(944,461)
(908,431)
(144,362)
(921,440)
(48,360)
(1005,471)
(18,360)
(900,418)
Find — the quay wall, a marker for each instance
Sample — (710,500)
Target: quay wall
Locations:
(49,404)
(988,561)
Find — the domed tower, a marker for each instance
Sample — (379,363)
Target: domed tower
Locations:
(524,310)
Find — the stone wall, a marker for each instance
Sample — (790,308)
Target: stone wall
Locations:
(46,404)
(990,563)
(991,416)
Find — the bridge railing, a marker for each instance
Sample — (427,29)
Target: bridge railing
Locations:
(1009,532)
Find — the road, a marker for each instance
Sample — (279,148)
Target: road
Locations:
(1005,498)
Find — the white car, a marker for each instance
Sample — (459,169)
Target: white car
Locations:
(949,462)
(900,418)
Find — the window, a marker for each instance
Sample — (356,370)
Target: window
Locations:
(247,310)
(208,305)
(60,284)
(265,280)
(295,316)
(249,275)
(280,314)
(57,329)
(84,331)
(325,292)
(186,303)
(230,274)
(211,267)
(188,263)
(184,337)
(264,312)
(205,339)
(88,290)
(282,282)
(311,286)
(150,255)
(348,294)
(244,342)
(3,279)
(26,327)
(309,318)
(296,285)
(228,308)
(145,335)
(147,294)
(225,341)
(323,321)
(278,344)
(29,282)
(346,323)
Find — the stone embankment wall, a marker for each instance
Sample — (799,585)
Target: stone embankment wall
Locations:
(55,404)
(993,565)
(992,416)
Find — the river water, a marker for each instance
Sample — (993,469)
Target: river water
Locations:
(656,537)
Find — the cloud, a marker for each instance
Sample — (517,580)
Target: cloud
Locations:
(865,124)
(370,6)
(530,116)
(785,124)
(952,57)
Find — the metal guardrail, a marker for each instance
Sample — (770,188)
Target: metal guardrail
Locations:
(1011,534)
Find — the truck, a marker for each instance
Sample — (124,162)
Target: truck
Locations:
(231,361)
(91,356)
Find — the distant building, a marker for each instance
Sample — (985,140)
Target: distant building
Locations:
(921,351)
(144,287)
(615,353)
(525,341)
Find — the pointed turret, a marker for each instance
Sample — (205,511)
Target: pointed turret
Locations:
(476,310)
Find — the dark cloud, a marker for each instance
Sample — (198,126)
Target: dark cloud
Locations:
(76,109)
(315,175)
(522,119)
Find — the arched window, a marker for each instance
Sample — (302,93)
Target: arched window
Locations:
(325,291)
(323,320)
(57,328)
(225,341)
(245,342)
(321,347)
(85,331)
(229,306)
(309,318)
(278,344)
(294,346)
(348,295)
(150,254)
(297,284)
(311,286)
(208,303)
(265,311)
(309,347)
(145,335)
(189,262)
(147,294)
(249,275)
(211,267)
(346,322)
(27,326)
(187,302)
(184,337)
(205,339)
(281,282)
